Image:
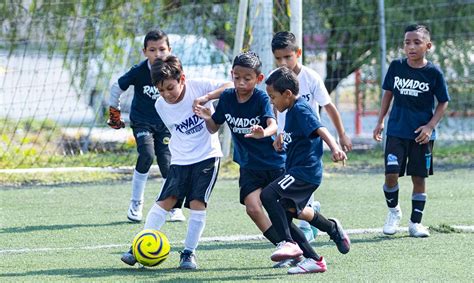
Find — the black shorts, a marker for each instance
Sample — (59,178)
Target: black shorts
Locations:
(191,182)
(406,155)
(157,135)
(293,193)
(251,180)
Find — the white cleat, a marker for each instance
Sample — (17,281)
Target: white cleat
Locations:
(309,265)
(393,221)
(135,211)
(417,230)
(176,215)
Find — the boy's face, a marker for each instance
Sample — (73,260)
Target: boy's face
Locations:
(287,58)
(415,45)
(281,101)
(156,49)
(245,79)
(171,90)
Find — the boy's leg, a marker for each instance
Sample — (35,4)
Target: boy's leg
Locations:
(196,225)
(310,231)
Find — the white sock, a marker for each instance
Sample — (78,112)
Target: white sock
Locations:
(302,223)
(156,217)
(196,224)
(138,185)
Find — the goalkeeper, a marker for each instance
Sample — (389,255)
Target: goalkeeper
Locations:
(151,135)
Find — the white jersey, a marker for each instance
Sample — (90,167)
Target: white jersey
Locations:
(312,89)
(190,141)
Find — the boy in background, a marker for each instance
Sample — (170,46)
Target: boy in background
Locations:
(286,197)
(151,135)
(312,89)
(412,83)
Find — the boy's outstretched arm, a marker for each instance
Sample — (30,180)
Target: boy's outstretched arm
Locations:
(258,132)
(386,99)
(215,94)
(425,131)
(335,117)
(337,153)
(206,115)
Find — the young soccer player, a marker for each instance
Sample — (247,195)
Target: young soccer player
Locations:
(413,83)
(249,115)
(195,153)
(150,133)
(312,89)
(286,197)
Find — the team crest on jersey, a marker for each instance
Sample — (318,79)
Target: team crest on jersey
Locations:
(392,159)
(409,86)
(241,125)
(190,125)
(151,91)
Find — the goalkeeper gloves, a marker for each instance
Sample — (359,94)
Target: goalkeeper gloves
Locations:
(115,121)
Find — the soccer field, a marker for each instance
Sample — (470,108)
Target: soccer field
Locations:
(78,232)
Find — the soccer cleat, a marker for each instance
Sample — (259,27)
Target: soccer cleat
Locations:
(176,215)
(289,262)
(317,208)
(393,221)
(417,230)
(135,211)
(187,260)
(128,258)
(309,265)
(340,237)
(308,233)
(286,250)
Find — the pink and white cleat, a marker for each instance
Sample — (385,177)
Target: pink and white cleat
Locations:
(309,265)
(286,250)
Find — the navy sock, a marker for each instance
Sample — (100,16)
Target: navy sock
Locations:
(272,235)
(276,213)
(391,195)
(418,205)
(320,222)
(298,236)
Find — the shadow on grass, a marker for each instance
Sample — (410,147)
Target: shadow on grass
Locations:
(27,229)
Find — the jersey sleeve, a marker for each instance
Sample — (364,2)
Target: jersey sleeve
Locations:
(308,118)
(319,90)
(219,114)
(128,78)
(441,90)
(388,80)
(267,109)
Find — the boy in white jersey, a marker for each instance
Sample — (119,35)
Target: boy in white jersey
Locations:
(195,153)
(312,89)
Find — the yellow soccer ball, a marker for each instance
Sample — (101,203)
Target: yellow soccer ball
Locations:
(151,247)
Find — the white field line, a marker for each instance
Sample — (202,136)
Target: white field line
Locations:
(233,238)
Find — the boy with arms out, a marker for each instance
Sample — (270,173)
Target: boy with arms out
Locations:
(150,133)
(312,89)
(286,197)
(412,83)
(195,153)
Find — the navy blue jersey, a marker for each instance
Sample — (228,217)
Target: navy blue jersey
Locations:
(414,91)
(249,153)
(145,94)
(303,149)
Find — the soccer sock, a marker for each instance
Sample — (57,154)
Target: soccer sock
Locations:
(302,223)
(138,185)
(196,224)
(418,204)
(299,237)
(272,235)
(391,195)
(320,222)
(276,213)
(156,217)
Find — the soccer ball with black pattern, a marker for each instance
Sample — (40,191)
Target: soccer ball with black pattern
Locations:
(150,247)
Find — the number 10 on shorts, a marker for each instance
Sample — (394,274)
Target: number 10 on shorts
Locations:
(286,181)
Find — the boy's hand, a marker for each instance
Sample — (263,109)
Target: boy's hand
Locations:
(338,155)
(377,134)
(346,143)
(201,100)
(278,143)
(115,121)
(203,112)
(425,134)
(256,132)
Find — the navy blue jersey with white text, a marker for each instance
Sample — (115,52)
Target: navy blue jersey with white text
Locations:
(249,153)
(303,149)
(414,91)
(145,94)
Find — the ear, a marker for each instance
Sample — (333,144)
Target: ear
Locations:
(260,78)
(182,79)
(299,52)
(429,45)
(144,50)
(287,93)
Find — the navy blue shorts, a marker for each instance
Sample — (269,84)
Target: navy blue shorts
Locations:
(251,180)
(405,155)
(191,182)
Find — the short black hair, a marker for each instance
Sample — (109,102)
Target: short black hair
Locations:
(154,35)
(283,79)
(421,28)
(283,40)
(248,59)
(168,68)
